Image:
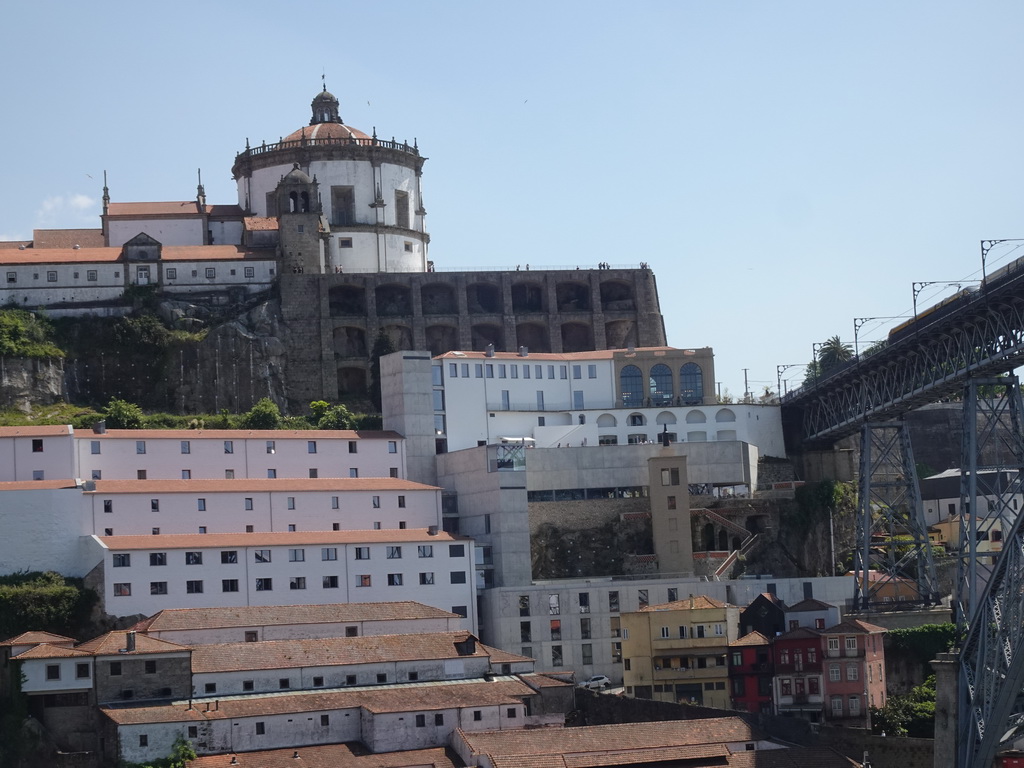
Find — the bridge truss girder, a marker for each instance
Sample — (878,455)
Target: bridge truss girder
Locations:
(990,587)
(893,553)
(985,338)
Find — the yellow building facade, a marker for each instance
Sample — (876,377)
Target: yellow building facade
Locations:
(678,651)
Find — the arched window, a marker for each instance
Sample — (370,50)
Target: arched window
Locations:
(606,420)
(691,384)
(661,385)
(665,417)
(696,417)
(725,414)
(631,385)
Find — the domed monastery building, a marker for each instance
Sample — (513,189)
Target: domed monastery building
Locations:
(331,221)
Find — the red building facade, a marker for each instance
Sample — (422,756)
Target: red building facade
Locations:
(799,684)
(854,670)
(750,673)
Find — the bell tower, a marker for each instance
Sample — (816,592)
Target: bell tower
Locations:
(302,229)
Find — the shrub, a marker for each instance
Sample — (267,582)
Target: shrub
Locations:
(123,415)
(264,415)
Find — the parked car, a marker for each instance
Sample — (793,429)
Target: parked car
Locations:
(596,683)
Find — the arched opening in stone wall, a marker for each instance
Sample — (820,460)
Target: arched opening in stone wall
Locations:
(691,384)
(709,537)
(527,297)
(439,299)
(350,341)
(726,415)
(577,337)
(400,335)
(442,338)
(573,297)
(696,417)
(533,336)
(488,333)
(351,381)
(347,300)
(394,300)
(661,385)
(483,299)
(723,541)
(666,417)
(617,295)
(736,543)
(620,334)
(631,386)
(606,420)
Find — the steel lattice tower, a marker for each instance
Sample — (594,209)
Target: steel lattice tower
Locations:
(893,554)
(990,585)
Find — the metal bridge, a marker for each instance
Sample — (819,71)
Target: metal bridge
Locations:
(961,345)
(982,334)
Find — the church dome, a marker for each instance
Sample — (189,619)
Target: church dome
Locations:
(296,176)
(326,131)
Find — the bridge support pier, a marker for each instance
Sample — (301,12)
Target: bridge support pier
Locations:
(893,560)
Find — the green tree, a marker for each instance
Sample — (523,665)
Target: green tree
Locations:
(832,353)
(317,410)
(181,753)
(264,415)
(382,346)
(338,417)
(43,601)
(121,414)
(812,373)
(24,334)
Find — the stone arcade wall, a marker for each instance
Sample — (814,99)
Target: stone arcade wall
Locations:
(331,321)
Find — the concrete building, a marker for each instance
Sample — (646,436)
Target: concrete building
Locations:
(678,651)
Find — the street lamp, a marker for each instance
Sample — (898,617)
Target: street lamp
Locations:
(779,370)
(988,245)
(858,323)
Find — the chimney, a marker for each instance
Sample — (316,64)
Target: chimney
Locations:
(234,760)
(524,351)
(432,530)
(130,641)
(691,602)
(100,427)
(489,352)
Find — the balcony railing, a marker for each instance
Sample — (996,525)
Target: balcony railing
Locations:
(340,141)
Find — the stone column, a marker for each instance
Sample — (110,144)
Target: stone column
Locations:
(947,684)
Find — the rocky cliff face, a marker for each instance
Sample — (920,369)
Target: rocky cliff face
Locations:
(25,383)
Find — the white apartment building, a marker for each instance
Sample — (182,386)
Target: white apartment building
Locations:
(59,453)
(135,507)
(131,454)
(145,574)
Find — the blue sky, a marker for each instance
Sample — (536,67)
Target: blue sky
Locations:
(783,167)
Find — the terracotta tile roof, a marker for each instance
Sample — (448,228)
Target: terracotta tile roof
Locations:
(67,238)
(26,638)
(36,431)
(424,697)
(329,651)
(112,643)
(499,656)
(716,752)
(538,681)
(218,210)
(353,755)
(600,354)
(810,604)
(799,633)
(260,485)
(47,651)
(113,255)
(36,485)
(173,208)
(241,434)
(278,539)
(853,627)
(750,639)
(261,223)
(273,615)
(695,603)
(793,757)
(597,738)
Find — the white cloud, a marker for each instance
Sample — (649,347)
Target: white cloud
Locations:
(68,212)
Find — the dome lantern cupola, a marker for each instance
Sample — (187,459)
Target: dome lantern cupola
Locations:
(325,108)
